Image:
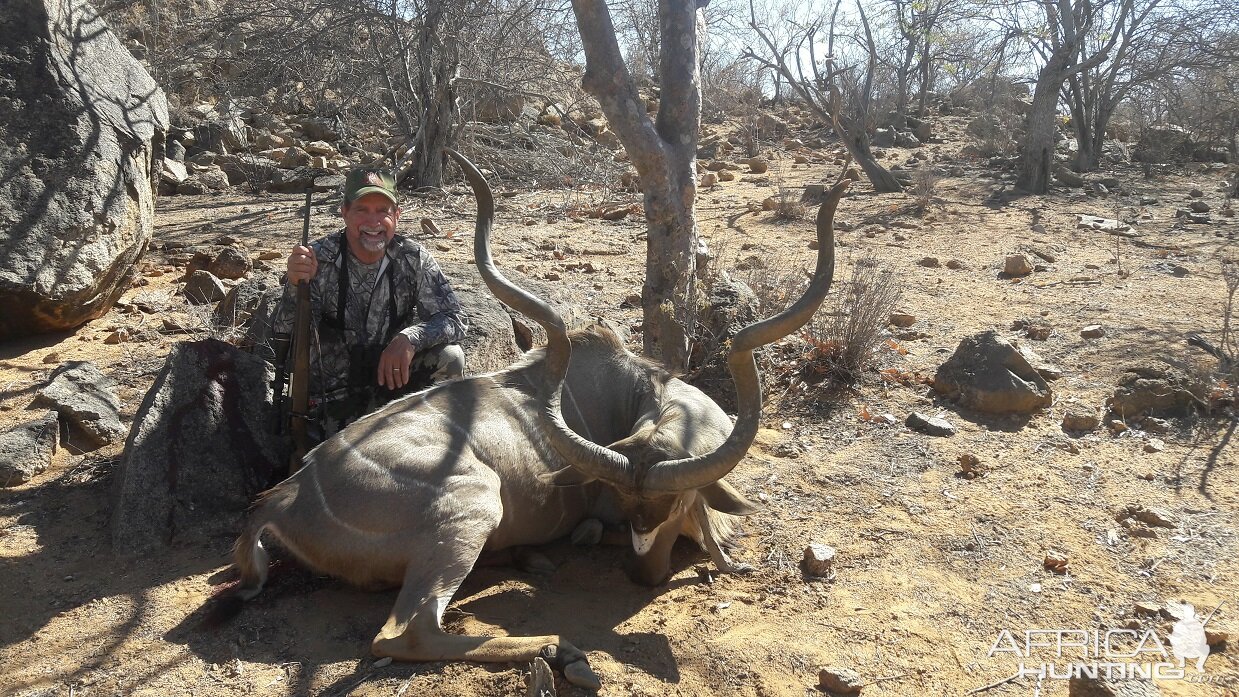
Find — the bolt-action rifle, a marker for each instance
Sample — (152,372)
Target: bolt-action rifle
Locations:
(299,391)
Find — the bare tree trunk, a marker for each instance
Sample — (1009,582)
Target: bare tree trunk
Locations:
(1038,156)
(664,153)
(856,140)
(436,86)
(925,73)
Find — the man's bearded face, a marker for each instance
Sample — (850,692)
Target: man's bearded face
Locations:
(370,223)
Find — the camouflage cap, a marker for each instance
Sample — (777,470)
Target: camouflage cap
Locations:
(362,181)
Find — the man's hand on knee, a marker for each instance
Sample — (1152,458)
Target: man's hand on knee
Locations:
(394,363)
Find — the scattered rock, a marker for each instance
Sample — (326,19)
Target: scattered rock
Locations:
(1155,517)
(229,263)
(842,681)
(119,336)
(1080,421)
(193,186)
(1196,193)
(955,265)
(1068,177)
(750,263)
(730,306)
(1093,331)
(970,466)
(1198,207)
(818,560)
(1155,425)
(1056,561)
(240,307)
(1017,265)
(1154,445)
(540,682)
(203,288)
(1144,389)
(930,425)
(928,262)
(172,172)
(902,319)
(1147,607)
(27,449)
(86,399)
(1092,222)
(991,375)
(1033,329)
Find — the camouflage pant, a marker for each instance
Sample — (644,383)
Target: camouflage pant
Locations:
(429,367)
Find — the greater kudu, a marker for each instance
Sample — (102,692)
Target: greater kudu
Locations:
(410,495)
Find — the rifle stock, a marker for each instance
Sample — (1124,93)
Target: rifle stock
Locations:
(299,391)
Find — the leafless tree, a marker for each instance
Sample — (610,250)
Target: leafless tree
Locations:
(821,83)
(917,24)
(663,151)
(1059,31)
(1155,40)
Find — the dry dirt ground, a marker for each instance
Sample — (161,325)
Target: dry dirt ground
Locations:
(931,566)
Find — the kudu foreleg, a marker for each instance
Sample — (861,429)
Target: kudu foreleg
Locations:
(414,632)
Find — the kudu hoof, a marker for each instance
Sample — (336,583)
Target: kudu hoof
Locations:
(588,533)
(533,562)
(580,674)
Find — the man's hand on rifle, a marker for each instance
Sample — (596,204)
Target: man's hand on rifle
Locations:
(302,265)
(394,363)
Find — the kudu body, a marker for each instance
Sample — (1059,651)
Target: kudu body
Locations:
(410,495)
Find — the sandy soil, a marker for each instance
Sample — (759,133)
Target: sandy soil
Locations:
(931,566)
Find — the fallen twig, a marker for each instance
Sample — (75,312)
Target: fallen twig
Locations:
(992,685)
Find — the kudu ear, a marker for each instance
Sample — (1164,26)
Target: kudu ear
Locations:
(568,476)
(723,497)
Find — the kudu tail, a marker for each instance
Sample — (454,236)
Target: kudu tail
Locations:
(251,562)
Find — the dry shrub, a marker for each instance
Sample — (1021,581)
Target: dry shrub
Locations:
(924,186)
(788,205)
(842,340)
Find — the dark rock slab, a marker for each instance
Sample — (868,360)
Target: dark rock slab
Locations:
(27,449)
(201,448)
(990,375)
(86,399)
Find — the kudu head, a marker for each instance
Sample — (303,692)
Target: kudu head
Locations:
(664,489)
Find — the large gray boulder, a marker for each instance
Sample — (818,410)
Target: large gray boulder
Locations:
(202,445)
(991,375)
(82,132)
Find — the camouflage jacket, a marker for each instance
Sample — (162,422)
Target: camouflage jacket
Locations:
(404,292)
